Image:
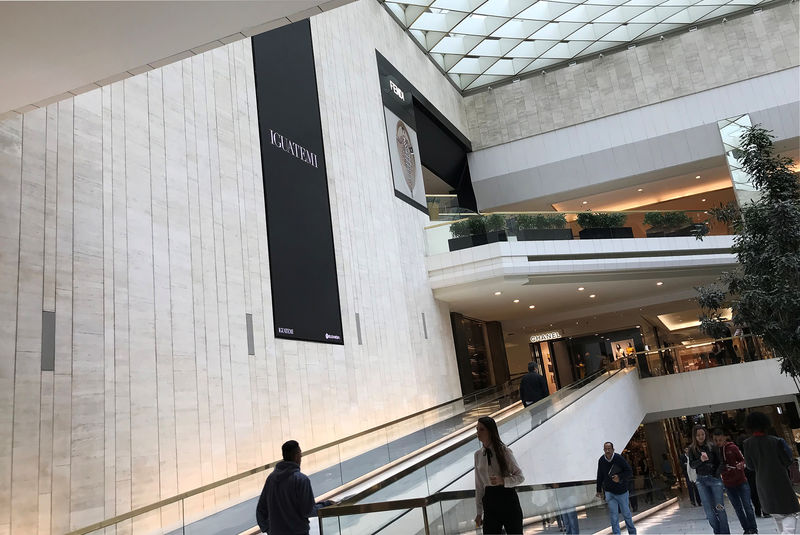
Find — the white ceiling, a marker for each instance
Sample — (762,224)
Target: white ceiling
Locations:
(50,48)
(557,300)
(480,42)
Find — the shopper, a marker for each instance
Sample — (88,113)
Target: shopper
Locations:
(613,473)
(735,481)
(496,473)
(594,363)
(705,459)
(287,500)
(767,457)
(533,386)
(666,471)
(690,474)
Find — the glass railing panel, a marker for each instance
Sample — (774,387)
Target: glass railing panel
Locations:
(361,456)
(701,354)
(475,230)
(232,507)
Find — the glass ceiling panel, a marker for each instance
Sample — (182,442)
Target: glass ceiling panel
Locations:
(480,42)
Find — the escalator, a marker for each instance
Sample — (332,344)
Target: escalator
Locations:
(564,425)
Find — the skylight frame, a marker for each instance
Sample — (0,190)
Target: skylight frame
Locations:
(644,17)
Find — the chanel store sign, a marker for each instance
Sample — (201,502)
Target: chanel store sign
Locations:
(543,337)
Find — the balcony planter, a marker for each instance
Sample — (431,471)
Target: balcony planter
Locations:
(669,224)
(601,233)
(598,226)
(542,227)
(544,234)
(476,231)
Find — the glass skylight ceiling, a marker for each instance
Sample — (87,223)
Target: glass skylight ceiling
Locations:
(480,42)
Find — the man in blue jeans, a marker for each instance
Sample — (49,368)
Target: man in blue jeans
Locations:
(613,473)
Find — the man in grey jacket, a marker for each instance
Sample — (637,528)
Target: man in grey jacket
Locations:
(287,500)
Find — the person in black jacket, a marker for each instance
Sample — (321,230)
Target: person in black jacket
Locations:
(533,386)
(613,474)
(707,462)
(287,500)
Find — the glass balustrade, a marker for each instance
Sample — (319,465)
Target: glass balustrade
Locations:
(456,233)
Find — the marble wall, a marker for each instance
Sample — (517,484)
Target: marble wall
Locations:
(680,65)
(135,213)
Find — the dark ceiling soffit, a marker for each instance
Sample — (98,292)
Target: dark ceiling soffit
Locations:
(748,10)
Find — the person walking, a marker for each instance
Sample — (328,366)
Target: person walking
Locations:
(287,500)
(691,478)
(735,481)
(594,363)
(496,475)
(613,473)
(705,459)
(766,456)
(533,386)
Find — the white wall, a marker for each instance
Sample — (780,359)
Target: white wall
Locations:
(135,212)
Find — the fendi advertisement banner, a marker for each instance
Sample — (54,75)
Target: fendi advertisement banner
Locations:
(401,136)
(305,290)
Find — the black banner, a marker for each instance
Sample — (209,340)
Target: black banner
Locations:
(305,290)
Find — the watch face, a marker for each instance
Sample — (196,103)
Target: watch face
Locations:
(407,158)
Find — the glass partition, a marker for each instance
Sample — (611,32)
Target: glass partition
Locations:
(453,234)
(701,354)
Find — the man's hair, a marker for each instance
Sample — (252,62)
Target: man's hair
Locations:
(718,432)
(757,421)
(608,442)
(290,449)
(531,366)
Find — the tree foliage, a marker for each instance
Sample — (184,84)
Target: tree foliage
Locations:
(764,289)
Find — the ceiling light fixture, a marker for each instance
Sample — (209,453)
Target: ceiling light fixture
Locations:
(697,177)
(640,189)
(703,200)
(638,326)
(659,283)
(580,289)
(516,300)
(498,293)
(592,296)
(531,306)
(585,202)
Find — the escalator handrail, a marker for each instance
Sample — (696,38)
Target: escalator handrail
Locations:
(501,391)
(444,451)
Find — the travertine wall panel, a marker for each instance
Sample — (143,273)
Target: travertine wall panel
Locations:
(680,65)
(135,212)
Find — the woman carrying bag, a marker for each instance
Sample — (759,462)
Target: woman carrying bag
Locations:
(496,473)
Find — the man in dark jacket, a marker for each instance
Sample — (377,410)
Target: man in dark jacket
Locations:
(533,386)
(613,473)
(287,500)
(765,455)
(735,481)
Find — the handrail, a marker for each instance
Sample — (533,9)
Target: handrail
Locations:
(230,479)
(444,451)
(412,503)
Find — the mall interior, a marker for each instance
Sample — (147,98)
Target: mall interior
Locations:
(480,185)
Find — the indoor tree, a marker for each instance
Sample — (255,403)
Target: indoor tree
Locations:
(764,288)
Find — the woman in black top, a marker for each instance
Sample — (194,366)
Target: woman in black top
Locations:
(706,460)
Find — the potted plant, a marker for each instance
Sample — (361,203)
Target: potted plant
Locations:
(542,227)
(675,223)
(478,230)
(600,225)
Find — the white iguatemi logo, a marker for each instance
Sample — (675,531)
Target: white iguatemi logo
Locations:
(296,150)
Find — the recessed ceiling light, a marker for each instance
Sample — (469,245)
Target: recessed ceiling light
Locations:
(498,293)
(697,177)
(585,202)
(638,326)
(516,300)
(640,189)
(531,306)
(659,283)
(592,296)
(581,289)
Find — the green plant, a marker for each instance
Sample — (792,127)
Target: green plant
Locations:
(764,288)
(495,222)
(477,225)
(602,219)
(460,229)
(667,220)
(541,221)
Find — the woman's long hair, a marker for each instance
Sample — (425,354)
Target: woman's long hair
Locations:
(696,447)
(497,444)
